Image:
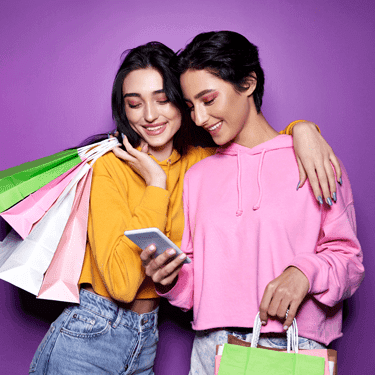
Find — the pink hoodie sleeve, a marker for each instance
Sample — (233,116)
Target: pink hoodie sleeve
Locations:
(335,271)
(181,295)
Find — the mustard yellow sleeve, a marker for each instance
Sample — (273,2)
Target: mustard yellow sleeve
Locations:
(289,129)
(111,213)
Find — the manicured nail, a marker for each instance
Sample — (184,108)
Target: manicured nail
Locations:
(299,182)
(171,252)
(334,196)
(320,200)
(285,328)
(340,181)
(122,135)
(329,201)
(182,256)
(152,248)
(263,323)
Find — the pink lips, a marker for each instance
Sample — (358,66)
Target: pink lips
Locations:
(216,131)
(161,127)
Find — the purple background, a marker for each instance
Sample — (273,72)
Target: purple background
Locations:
(58,60)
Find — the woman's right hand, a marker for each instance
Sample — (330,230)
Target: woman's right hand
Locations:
(141,162)
(162,269)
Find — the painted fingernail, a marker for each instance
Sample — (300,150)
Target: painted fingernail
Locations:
(152,248)
(299,183)
(285,328)
(320,200)
(182,256)
(171,252)
(340,181)
(122,135)
(334,196)
(264,323)
(329,201)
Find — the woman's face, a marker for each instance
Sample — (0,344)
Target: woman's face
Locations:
(215,105)
(148,109)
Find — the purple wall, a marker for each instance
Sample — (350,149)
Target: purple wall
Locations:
(57,64)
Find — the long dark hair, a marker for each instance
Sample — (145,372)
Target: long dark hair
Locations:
(151,55)
(226,54)
(158,56)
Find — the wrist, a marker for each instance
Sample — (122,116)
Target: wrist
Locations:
(159,182)
(302,126)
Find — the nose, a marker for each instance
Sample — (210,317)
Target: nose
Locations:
(199,115)
(151,112)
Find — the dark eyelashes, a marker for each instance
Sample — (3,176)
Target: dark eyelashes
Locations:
(159,101)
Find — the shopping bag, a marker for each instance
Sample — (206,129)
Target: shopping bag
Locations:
(330,355)
(23,215)
(24,262)
(18,182)
(241,360)
(60,282)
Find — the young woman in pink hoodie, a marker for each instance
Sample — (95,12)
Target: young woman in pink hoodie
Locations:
(256,243)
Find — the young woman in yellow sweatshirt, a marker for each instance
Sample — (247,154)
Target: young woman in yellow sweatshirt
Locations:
(114,328)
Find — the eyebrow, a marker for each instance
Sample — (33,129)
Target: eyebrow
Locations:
(133,94)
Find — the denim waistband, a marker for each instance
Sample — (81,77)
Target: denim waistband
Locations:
(117,315)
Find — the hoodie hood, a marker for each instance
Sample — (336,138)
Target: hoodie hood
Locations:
(259,151)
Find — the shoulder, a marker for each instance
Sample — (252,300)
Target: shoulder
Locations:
(204,167)
(196,154)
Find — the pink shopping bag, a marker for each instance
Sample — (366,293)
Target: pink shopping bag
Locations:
(61,279)
(22,216)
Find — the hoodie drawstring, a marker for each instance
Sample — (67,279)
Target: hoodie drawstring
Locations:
(257,205)
(239,190)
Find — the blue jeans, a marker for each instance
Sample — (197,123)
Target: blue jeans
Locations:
(98,337)
(204,347)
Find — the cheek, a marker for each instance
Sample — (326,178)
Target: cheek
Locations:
(133,116)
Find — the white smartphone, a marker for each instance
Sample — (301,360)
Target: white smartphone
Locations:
(148,236)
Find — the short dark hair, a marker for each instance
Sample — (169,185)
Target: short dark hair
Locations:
(157,56)
(226,54)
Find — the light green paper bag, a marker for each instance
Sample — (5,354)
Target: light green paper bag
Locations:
(240,360)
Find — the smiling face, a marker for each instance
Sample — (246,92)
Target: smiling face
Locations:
(149,111)
(217,106)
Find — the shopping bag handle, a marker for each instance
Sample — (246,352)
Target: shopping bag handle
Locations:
(291,335)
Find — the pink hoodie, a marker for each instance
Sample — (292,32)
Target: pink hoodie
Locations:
(245,223)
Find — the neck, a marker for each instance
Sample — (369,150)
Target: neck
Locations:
(163,152)
(255,131)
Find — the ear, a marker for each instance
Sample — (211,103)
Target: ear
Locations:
(251,83)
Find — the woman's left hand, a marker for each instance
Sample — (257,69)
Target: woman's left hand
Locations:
(284,294)
(316,161)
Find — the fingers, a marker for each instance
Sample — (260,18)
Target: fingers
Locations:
(146,254)
(331,181)
(302,174)
(323,181)
(121,154)
(164,268)
(291,315)
(314,183)
(335,162)
(264,304)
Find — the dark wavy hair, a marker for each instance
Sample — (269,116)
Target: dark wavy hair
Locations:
(227,55)
(157,56)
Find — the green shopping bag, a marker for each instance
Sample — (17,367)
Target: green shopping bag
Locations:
(18,182)
(241,360)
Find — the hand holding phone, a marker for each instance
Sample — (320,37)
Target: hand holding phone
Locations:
(147,236)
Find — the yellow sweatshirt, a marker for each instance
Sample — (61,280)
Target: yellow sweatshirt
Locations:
(119,201)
